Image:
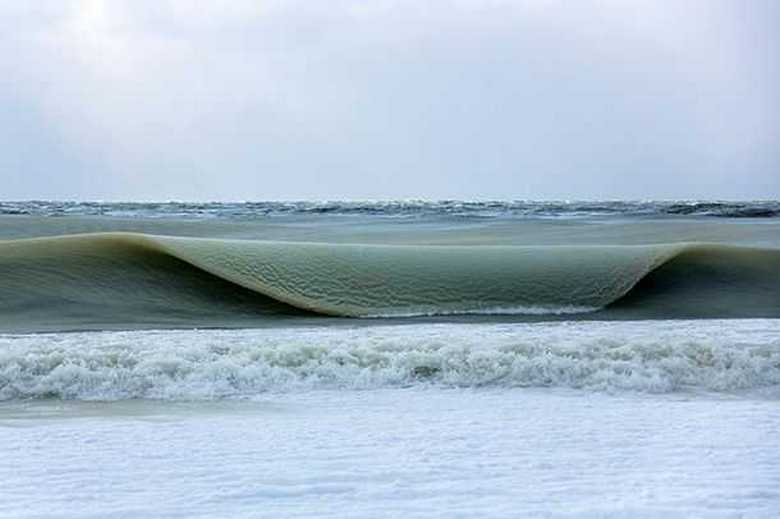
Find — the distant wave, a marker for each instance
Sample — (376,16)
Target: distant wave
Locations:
(130,280)
(656,357)
(395,208)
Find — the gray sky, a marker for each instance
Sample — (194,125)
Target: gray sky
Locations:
(238,100)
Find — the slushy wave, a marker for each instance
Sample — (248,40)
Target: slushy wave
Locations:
(135,280)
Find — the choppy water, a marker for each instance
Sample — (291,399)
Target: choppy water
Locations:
(391,208)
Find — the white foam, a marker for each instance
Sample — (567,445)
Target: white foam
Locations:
(649,356)
(497,310)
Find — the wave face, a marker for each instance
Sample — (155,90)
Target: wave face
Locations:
(134,280)
(649,356)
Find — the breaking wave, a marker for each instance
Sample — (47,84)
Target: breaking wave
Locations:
(650,356)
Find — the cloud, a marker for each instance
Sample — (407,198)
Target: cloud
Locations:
(240,99)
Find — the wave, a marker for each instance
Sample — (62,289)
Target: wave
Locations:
(126,279)
(645,356)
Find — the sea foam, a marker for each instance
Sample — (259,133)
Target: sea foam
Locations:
(651,356)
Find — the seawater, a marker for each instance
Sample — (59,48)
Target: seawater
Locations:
(162,359)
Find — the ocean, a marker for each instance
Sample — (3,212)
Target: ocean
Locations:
(361,359)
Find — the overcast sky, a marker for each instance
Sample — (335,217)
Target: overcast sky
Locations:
(239,100)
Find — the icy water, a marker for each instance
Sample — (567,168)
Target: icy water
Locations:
(494,359)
